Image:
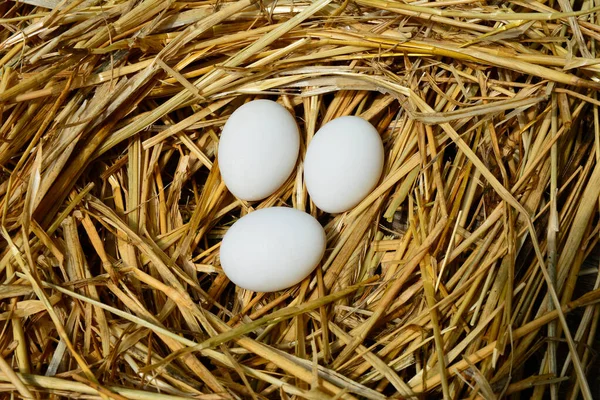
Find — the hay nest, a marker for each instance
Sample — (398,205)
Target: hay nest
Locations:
(457,277)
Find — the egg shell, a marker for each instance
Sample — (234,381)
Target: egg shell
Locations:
(272,249)
(343,163)
(258,149)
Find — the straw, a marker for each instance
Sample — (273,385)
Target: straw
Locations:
(469,271)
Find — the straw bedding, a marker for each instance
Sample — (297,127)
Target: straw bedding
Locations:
(458,277)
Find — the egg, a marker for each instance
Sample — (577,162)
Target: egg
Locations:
(258,149)
(343,163)
(272,249)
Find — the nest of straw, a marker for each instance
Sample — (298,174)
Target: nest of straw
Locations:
(460,276)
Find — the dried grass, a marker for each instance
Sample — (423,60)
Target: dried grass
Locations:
(455,278)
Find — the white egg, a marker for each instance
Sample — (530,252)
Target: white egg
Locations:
(272,249)
(343,163)
(258,149)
